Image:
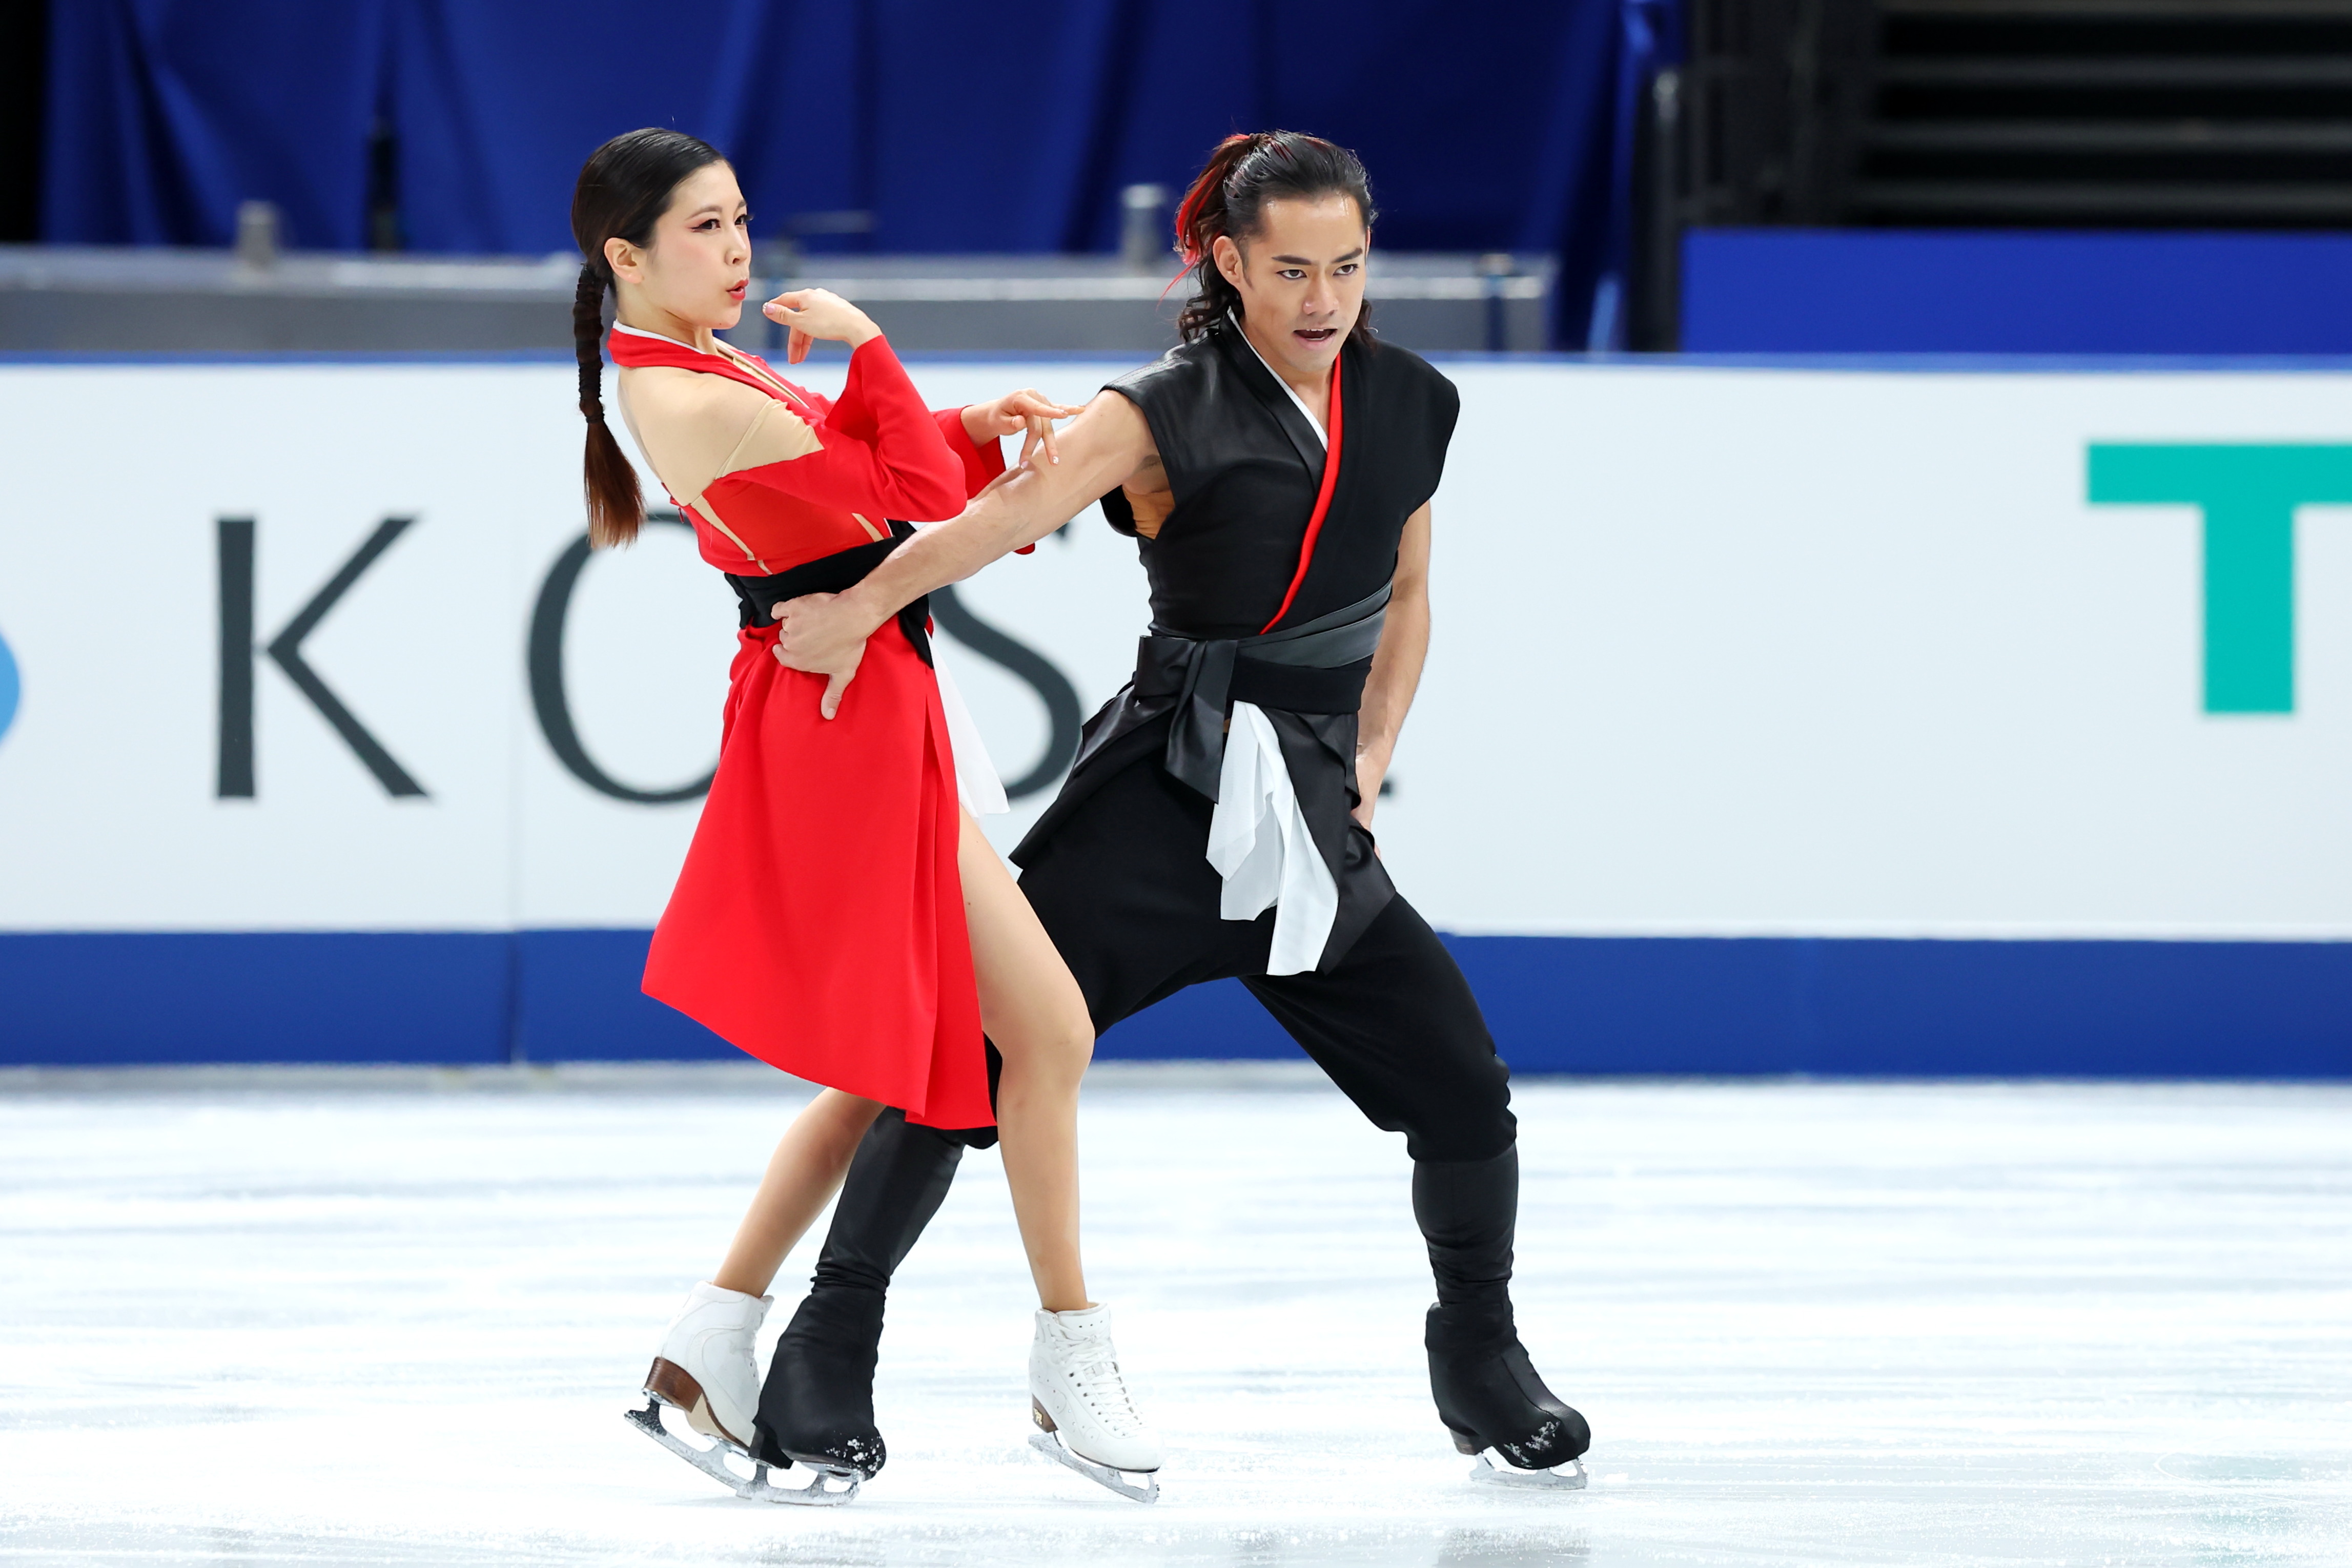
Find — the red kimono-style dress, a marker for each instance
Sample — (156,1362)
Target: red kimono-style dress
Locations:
(818,922)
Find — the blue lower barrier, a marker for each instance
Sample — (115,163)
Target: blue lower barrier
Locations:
(576,999)
(119,998)
(1917,1008)
(1557,1004)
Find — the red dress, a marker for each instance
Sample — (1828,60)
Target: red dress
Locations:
(818,922)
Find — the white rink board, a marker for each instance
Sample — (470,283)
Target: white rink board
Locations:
(1718,652)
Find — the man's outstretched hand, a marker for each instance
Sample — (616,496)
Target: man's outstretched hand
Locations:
(824,634)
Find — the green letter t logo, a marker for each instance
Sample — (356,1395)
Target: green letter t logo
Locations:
(2249,495)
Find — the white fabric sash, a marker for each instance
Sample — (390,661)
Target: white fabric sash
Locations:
(1259,843)
(977,785)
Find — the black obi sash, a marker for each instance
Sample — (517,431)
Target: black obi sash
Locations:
(757,596)
(1309,681)
(1319,666)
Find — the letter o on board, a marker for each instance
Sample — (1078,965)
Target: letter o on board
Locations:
(552,703)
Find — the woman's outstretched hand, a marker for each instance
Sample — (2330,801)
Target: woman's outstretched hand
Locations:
(820,633)
(1028,414)
(813,313)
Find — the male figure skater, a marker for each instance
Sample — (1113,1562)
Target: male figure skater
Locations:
(1276,469)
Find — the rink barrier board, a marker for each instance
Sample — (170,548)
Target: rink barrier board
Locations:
(2030,747)
(1859,1007)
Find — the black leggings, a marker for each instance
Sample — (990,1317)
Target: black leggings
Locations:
(1126,890)
(1128,894)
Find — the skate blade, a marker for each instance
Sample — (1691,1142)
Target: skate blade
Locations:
(1047,1444)
(712,1462)
(1569,1477)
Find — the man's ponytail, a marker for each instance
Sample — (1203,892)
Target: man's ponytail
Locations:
(1200,219)
(623,188)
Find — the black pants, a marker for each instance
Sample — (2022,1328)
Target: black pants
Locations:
(1126,890)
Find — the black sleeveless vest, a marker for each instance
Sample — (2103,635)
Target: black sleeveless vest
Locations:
(1245,467)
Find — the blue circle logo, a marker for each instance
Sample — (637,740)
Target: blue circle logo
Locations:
(8,687)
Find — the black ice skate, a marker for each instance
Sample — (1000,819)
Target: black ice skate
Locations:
(816,1407)
(1491,1398)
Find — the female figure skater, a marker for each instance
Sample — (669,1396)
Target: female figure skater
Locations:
(838,916)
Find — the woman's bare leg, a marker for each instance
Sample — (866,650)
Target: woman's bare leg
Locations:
(804,1173)
(1034,1011)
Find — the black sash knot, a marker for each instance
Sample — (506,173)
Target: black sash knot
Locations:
(1317,667)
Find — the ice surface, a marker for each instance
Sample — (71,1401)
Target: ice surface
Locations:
(1811,1324)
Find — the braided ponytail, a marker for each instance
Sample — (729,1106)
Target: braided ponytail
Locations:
(623,187)
(1228,199)
(616,509)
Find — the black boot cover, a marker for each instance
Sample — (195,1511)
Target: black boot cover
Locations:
(1487,1392)
(817,1404)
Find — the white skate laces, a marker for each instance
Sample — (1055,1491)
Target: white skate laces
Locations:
(1089,1366)
(1080,1400)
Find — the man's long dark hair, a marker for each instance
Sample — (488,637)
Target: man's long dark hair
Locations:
(1230,196)
(623,188)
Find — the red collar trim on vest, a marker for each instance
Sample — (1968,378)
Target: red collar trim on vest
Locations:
(1322,502)
(636,347)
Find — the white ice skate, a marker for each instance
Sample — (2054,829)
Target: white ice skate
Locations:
(1087,1421)
(705,1372)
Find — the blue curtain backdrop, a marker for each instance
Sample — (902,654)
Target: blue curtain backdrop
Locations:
(1493,127)
(163,116)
